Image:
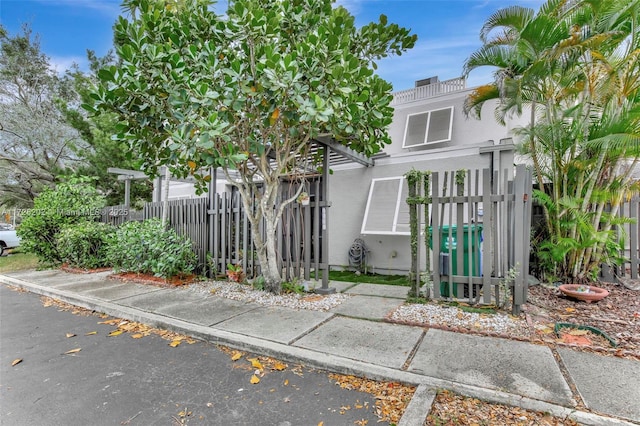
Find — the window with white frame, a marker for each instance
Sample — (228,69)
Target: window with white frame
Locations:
(387,211)
(428,127)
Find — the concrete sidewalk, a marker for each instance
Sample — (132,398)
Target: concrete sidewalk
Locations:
(351,339)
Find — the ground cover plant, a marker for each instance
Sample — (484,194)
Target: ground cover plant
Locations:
(355,277)
(18,260)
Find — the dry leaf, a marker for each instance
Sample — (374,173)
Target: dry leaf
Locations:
(116,333)
(73,351)
(578,332)
(236,355)
(570,310)
(278,366)
(286,382)
(175,343)
(16,362)
(321,424)
(137,336)
(70,335)
(255,379)
(255,363)
(91,333)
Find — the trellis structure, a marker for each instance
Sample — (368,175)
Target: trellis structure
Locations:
(477,224)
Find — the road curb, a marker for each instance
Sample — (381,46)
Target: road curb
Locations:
(324,361)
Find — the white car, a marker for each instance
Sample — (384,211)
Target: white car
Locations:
(8,238)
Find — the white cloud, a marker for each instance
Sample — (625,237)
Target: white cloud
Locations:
(60,64)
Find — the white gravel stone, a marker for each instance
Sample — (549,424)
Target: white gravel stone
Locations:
(245,293)
(446,316)
(415,313)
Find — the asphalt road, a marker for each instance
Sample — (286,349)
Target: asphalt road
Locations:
(119,380)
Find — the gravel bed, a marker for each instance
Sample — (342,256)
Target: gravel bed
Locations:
(245,293)
(455,318)
(416,314)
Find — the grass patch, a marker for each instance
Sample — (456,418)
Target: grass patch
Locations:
(352,277)
(17,261)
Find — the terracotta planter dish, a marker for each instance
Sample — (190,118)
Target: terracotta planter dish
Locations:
(577,291)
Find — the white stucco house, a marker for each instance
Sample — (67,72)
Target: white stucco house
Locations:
(429,132)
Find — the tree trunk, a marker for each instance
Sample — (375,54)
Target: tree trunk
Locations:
(264,206)
(270,269)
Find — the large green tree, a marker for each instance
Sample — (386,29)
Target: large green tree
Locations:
(36,142)
(101,150)
(575,65)
(248,92)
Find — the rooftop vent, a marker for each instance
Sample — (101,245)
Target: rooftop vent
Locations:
(427,81)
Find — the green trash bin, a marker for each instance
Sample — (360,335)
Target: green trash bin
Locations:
(449,247)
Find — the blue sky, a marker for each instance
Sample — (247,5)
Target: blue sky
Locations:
(447,31)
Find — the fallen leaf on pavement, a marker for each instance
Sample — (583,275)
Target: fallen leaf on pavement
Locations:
(70,335)
(73,351)
(236,355)
(16,362)
(255,379)
(255,363)
(175,343)
(278,366)
(91,333)
(115,333)
(137,336)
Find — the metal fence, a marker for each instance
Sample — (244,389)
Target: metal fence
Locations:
(478,225)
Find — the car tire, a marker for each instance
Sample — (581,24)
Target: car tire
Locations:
(2,250)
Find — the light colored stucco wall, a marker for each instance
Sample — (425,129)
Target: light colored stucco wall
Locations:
(348,191)
(349,185)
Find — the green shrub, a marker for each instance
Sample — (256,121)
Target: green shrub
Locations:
(76,201)
(84,245)
(147,248)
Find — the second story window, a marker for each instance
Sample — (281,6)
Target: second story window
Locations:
(428,127)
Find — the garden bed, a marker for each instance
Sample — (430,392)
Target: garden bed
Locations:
(176,281)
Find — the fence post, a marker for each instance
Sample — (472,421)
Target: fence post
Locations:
(521,237)
(489,224)
(435,214)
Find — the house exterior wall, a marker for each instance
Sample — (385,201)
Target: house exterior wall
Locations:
(349,185)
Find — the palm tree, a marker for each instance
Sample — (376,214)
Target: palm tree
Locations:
(575,65)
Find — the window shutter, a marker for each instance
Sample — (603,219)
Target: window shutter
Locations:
(387,211)
(402,221)
(428,127)
(440,125)
(415,130)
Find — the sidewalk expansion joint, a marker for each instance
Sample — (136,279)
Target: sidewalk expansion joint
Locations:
(413,352)
(311,330)
(580,403)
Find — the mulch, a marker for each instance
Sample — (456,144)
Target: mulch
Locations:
(616,316)
(176,281)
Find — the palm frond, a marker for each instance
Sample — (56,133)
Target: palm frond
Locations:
(515,17)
